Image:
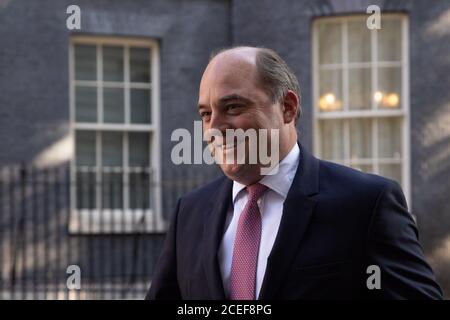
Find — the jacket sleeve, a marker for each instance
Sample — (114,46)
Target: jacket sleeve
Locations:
(394,247)
(164,284)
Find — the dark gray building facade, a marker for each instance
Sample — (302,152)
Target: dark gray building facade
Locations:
(395,83)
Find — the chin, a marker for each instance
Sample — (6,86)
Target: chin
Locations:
(245,174)
(233,171)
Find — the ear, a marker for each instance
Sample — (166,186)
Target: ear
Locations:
(290,106)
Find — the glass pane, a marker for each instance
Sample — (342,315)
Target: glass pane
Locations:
(368,168)
(113,64)
(86,104)
(360,139)
(86,191)
(113,105)
(330,42)
(389,138)
(112,149)
(139,65)
(358,41)
(390,40)
(85,148)
(359,88)
(140,106)
(139,149)
(139,190)
(112,190)
(392,171)
(85,62)
(330,90)
(331,139)
(389,88)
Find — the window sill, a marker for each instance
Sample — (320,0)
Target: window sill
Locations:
(115,221)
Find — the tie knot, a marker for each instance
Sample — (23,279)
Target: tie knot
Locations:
(255,191)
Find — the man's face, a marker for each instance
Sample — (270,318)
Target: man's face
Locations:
(231,98)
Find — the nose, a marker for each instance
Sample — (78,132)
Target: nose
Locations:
(217,126)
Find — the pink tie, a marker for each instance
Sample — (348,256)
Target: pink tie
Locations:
(246,247)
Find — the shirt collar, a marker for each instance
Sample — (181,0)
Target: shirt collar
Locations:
(281,181)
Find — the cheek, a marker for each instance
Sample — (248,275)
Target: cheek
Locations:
(264,117)
(243,121)
(268,118)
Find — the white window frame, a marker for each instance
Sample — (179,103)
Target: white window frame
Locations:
(402,112)
(100,221)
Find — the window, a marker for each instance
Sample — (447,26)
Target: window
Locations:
(360,95)
(114,117)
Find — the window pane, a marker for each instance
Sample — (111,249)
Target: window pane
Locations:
(112,149)
(389,88)
(330,84)
(359,88)
(85,150)
(331,133)
(85,62)
(392,171)
(139,149)
(360,139)
(358,41)
(86,191)
(113,64)
(86,104)
(112,190)
(389,138)
(330,42)
(139,65)
(140,106)
(139,190)
(389,40)
(113,105)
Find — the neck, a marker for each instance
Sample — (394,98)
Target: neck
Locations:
(291,140)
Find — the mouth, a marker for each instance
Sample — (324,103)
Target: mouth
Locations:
(228,146)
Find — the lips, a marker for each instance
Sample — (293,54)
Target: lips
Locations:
(227,146)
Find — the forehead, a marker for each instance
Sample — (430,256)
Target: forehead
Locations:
(226,75)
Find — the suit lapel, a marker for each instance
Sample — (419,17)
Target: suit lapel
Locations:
(212,236)
(297,211)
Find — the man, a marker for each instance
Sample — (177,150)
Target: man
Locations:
(313,230)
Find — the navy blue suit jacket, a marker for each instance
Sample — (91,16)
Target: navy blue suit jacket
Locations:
(336,222)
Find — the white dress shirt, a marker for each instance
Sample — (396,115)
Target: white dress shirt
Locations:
(271,208)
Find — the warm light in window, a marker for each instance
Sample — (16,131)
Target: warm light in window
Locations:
(329,98)
(392,100)
(378,96)
(328,102)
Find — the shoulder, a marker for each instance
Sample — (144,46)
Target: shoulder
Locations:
(338,174)
(351,199)
(203,192)
(195,206)
(350,184)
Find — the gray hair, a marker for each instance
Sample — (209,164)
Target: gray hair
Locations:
(274,74)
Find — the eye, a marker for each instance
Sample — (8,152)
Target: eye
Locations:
(205,114)
(233,106)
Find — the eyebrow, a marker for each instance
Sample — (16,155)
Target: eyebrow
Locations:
(228,98)
(234,97)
